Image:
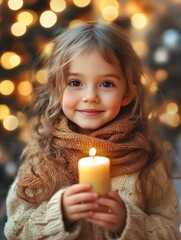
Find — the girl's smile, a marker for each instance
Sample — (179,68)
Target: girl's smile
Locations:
(90,112)
(95,91)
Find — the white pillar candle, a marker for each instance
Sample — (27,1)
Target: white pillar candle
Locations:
(95,170)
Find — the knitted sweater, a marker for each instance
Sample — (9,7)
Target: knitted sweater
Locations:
(159,221)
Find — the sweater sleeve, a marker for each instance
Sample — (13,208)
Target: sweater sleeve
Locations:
(160,221)
(35,222)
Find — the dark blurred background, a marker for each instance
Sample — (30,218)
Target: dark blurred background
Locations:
(154,28)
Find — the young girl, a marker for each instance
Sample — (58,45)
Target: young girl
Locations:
(93,98)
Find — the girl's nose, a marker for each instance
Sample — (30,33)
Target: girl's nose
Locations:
(91,97)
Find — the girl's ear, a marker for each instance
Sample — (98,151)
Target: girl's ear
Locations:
(128,97)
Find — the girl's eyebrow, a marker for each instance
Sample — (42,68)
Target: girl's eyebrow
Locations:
(74,74)
(112,75)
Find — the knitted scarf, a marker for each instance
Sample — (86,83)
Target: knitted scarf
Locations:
(126,147)
(121,141)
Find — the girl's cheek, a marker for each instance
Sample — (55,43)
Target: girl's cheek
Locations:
(69,100)
(113,102)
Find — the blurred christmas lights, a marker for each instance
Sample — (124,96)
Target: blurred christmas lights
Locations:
(18,29)
(27,17)
(6,87)
(10,60)
(81,4)
(25,88)
(4,111)
(58,6)
(15,5)
(139,20)
(110,13)
(10,123)
(161,75)
(48,19)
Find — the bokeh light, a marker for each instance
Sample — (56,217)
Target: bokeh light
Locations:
(171,37)
(109,9)
(41,76)
(48,19)
(6,87)
(131,8)
(144,80)
(27,17)
(58,6)
(107,3)
(172,120)
(4,111)
(110,13)
(18,29)
(161,75)
(81,4)
(139,20)
(10,60)
(10,123)
(172,108)
(47,49)
(25,88)
(140,47)
(15,4)
(153,87)
(161,55)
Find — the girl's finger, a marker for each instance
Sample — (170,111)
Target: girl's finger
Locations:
(107,205)
(113,202)
(83,207)
(83,215)
(105,217)
(76,188)
(80,198)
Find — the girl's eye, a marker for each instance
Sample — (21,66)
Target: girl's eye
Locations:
(74,83)
(107,84)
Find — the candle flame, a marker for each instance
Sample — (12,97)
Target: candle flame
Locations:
(92,152)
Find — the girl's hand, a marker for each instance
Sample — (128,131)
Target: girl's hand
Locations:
(78,202)
(114,217)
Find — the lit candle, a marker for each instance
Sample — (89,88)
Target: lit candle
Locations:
(95,170)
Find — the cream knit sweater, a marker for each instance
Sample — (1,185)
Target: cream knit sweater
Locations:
(161,221)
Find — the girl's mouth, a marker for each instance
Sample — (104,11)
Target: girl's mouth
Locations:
(90,112)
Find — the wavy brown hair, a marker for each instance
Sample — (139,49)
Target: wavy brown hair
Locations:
(109,41)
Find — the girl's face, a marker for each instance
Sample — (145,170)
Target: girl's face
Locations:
(94,92)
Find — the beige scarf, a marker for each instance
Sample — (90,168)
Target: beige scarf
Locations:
(126,148)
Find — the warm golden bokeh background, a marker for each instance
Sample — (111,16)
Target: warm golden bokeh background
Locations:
(154,28)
